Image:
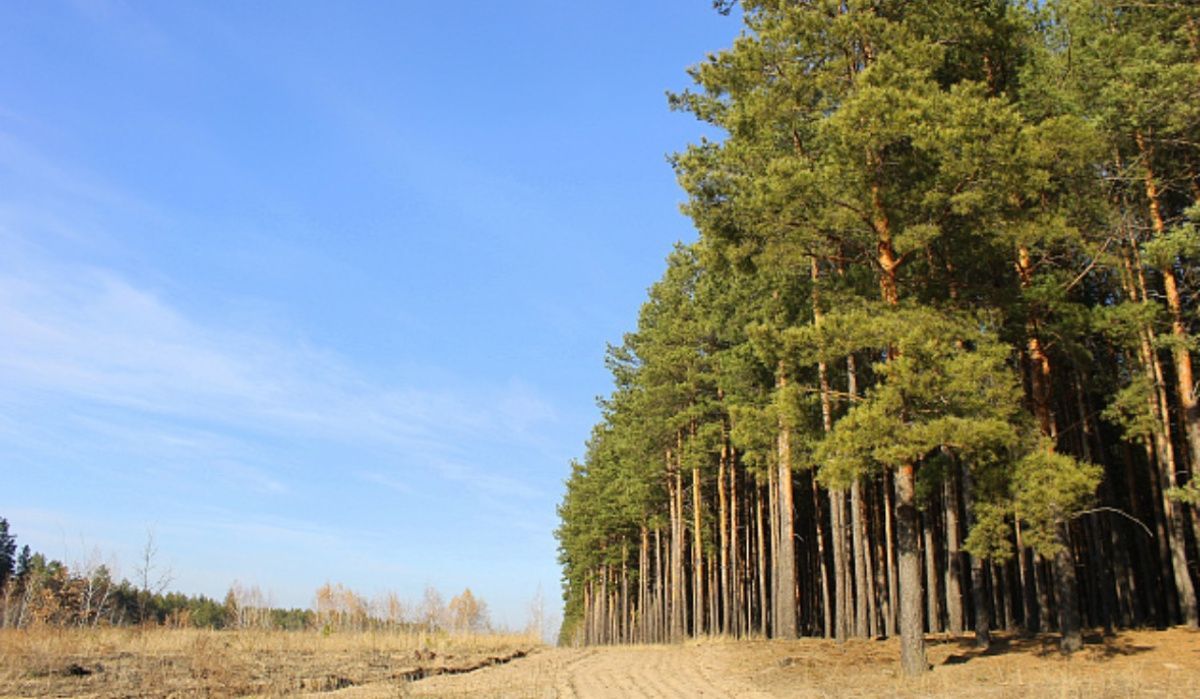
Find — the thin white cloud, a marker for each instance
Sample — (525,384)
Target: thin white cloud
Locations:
(95,341)
(387,481)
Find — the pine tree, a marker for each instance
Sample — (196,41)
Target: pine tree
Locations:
(8,549)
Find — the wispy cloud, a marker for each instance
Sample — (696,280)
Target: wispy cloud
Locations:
(102,345)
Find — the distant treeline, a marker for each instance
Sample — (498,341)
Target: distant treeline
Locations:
(35,591)
(929,365)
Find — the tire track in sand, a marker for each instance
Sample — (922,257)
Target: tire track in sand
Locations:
(655,672)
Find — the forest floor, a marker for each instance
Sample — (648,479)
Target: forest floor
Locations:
(166,663)
(1129,664)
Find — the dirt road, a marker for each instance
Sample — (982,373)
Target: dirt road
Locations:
(655,671)
(1135,663)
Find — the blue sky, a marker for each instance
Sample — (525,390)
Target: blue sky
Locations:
(320,291)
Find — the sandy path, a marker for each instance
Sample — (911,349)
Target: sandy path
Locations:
(656,672)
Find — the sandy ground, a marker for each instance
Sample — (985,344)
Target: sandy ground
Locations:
(1131,664)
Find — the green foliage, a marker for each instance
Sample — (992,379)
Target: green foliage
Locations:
(1188,493)
(990,538)
(947,388)
(1048,489)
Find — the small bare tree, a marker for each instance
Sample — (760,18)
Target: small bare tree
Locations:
(393,610)
(95,588)
(152,576)
(536,626)
(432,612)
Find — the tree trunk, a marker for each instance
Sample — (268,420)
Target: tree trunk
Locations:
(933,611)
(1028,573)
(1184,381)
(842,598)
(785,564)
(678,620)
(624,625)
(1185,391)
(864,576)
(723,528)
(836,501)
(826,609)
(660,587)
(1066,589)
(889,544)
(763,599)
(643,598)
(912,637)
(735,575)
(1157,448)
(889,263)
(979,597)
(864,618)
(1167,468)
(698,576)
(954,617)
(877,543)
(862,586)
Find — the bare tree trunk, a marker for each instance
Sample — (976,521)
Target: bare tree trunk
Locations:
(836,501)
(660,585)
(723,526)
(826,608)
(877,541)
(864,620)
(588,638)
(678,621)
(864,569)
(624,626)
(735,576)
(1029,585)
(643,598)
(1066,591)
(979,597)
(954,616)
(842,598)
(714,610)
(933,612)
(785,562)
(764,600)
(890,551)
(698,577)
(1004,574)
(604,608)
(912,638)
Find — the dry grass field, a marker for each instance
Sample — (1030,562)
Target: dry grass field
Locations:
(119,662)
(162,663)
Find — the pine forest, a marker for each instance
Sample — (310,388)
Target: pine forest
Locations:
(927,367)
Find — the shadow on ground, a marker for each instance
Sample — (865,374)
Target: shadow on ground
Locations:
(1096,646)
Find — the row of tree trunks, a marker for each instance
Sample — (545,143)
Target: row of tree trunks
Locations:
(648,592)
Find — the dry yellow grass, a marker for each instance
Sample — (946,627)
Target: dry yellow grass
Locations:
(115,662)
